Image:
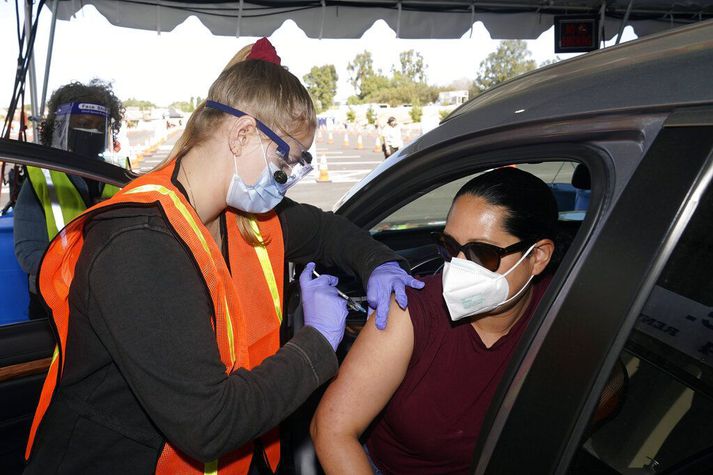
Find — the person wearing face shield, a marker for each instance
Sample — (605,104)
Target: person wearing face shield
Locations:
(81,118)
(427,381)
(168,297)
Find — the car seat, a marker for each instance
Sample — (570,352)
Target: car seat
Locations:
(573,196)
(582,182)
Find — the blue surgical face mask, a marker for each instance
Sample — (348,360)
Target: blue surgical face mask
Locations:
(261,197)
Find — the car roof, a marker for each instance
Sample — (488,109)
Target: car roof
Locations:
(671,68)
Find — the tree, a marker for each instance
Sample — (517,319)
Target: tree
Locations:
(321,83)
(412,67)
(363,78)
(407,84)
(372,85)
(547,62)
(511,59)
(360,69)
(416,112)
(183,106)
(397,92)
(371,116)
(351,115)
(142,105)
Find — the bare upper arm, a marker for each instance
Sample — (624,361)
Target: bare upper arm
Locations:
(371,373)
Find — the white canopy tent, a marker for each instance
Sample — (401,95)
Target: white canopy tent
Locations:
(410,19)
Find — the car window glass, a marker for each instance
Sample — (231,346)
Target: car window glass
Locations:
(431,209)
(24,230)
(656,411)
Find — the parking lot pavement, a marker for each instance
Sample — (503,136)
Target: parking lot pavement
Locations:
(347,164)
(150,160)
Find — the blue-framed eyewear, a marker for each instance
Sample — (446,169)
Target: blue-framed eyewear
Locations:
(298,168)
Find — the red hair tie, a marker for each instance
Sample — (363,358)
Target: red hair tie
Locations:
(264,51)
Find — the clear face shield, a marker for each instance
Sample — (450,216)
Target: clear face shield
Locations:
(83,128)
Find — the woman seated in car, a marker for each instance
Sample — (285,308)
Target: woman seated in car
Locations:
(423,385)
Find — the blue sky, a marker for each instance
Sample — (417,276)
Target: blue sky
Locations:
(177,65)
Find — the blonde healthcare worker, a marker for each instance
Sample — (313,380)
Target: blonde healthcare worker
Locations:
(167,298)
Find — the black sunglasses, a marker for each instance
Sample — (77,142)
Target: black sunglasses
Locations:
(487,255)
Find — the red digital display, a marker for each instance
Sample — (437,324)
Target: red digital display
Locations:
(577,34)
(573,35)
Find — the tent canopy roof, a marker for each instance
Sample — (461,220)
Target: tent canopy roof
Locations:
(413,19)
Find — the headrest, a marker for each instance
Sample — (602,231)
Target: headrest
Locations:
(581,178)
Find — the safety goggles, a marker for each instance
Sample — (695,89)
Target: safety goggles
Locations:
(486,255)
(290,168)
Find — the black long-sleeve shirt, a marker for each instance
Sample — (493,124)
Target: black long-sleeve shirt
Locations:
(142,365)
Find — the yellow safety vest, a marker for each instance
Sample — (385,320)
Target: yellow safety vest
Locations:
(59,198)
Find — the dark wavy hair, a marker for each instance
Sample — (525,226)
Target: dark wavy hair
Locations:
(531,207)
(96,92)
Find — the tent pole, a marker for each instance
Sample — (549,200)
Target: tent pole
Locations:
(240,19)
(48,63)
(398,21)
(602,18)
(33,78)
(623,21)
(321,23)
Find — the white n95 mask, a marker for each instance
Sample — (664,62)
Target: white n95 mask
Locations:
(470,289)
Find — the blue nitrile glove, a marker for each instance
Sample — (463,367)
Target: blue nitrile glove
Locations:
(386,279)
(323,308)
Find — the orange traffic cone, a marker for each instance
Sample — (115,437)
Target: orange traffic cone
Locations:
(360,142)
(320,139)
(323,176)
(377,144)
(330,137)
(345,144)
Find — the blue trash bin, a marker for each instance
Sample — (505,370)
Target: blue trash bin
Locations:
(582,201)
(565,195)
(14,295)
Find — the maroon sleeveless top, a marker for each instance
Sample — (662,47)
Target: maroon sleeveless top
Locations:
(432,422)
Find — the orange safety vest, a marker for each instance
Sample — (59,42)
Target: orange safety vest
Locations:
(246,329)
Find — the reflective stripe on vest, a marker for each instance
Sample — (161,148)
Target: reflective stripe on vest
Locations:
(59,198)
(264,259)
(242,341)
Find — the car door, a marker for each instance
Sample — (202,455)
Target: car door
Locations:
(26,336)
(545,416)
(402,203)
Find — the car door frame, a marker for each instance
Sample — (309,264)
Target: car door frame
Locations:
(26,347)
(555,388)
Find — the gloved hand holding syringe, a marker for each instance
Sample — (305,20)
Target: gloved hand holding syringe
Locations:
(351,303)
